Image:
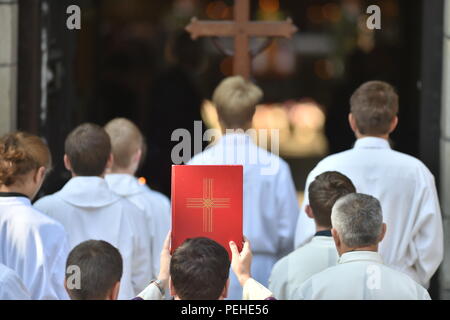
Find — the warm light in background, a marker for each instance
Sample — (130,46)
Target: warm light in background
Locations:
(332,12)
(300,124)
(226,66)
(218,10)
(307,115)
(142,181)
(314,14)
(324,69)
(389,8)
(269,6)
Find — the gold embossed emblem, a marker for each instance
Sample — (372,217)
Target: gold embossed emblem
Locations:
(208,203)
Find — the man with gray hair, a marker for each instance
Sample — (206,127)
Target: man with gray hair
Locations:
(358,229)
(414,243)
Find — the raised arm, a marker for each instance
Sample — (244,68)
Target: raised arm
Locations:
(241,264)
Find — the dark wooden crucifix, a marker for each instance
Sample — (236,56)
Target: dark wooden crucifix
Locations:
(242,28)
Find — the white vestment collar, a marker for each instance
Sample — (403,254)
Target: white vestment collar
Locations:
(354,256)
(87,192)
(236,138)
(322,240)
(124,184)
(372,143)
(15,200)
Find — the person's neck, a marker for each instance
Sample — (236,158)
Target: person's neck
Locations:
(362,136)
(77,176)
(369,248)
(321,228)
(16,189)
(226,130)
(128,171)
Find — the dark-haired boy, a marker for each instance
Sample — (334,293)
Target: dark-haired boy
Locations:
(93,271)
(88,209)
(320,253)
(199,270)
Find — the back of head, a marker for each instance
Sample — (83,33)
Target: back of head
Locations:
(21,153)
(88,148)
(358,219)
(235,99)
(374,106)
(100,266)
(323,193)
(126,140)
(199,269)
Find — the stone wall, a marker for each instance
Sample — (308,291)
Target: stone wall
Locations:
(445,158)
(8,64)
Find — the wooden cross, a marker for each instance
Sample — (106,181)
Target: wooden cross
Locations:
(242,28)
(208,203)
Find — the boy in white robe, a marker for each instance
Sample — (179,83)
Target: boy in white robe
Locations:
(127,143)
(88,209)
(403,184)
(320,253)
(11,286)
(94,269)
(32,244)
(270,199)
(199,269)
(358,228)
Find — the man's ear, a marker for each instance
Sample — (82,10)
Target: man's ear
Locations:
(173,293)
(114,293)
(110,162)
(336,238)
(394,125)
(67,163)
(65,287)
(39,176)
(137,156)
(309,211)
(65,284)
(383,232)
(352,122)
(224,294)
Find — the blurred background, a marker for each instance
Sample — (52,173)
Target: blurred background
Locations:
(133,59)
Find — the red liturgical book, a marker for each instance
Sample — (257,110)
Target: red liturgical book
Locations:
(207,202)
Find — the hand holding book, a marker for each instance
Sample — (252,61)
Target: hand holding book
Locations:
(241,263)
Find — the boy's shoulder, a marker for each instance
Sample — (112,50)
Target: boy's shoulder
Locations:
(252,154)
(390,158)
(48,202)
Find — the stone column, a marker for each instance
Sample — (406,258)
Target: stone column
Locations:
(445,158)
(8,64)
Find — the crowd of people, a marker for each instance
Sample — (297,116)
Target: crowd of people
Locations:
(370,225)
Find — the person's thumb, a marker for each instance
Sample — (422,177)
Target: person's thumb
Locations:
(234,250)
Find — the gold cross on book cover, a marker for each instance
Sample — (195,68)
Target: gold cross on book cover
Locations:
(208,203)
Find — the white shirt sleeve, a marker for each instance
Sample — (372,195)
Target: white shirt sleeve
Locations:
(152,292)
(278,279)
(160,225)
(287,203)
(58,270)
(253,290)
(142,268)
(11,286)
(428,231)
(45,277)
